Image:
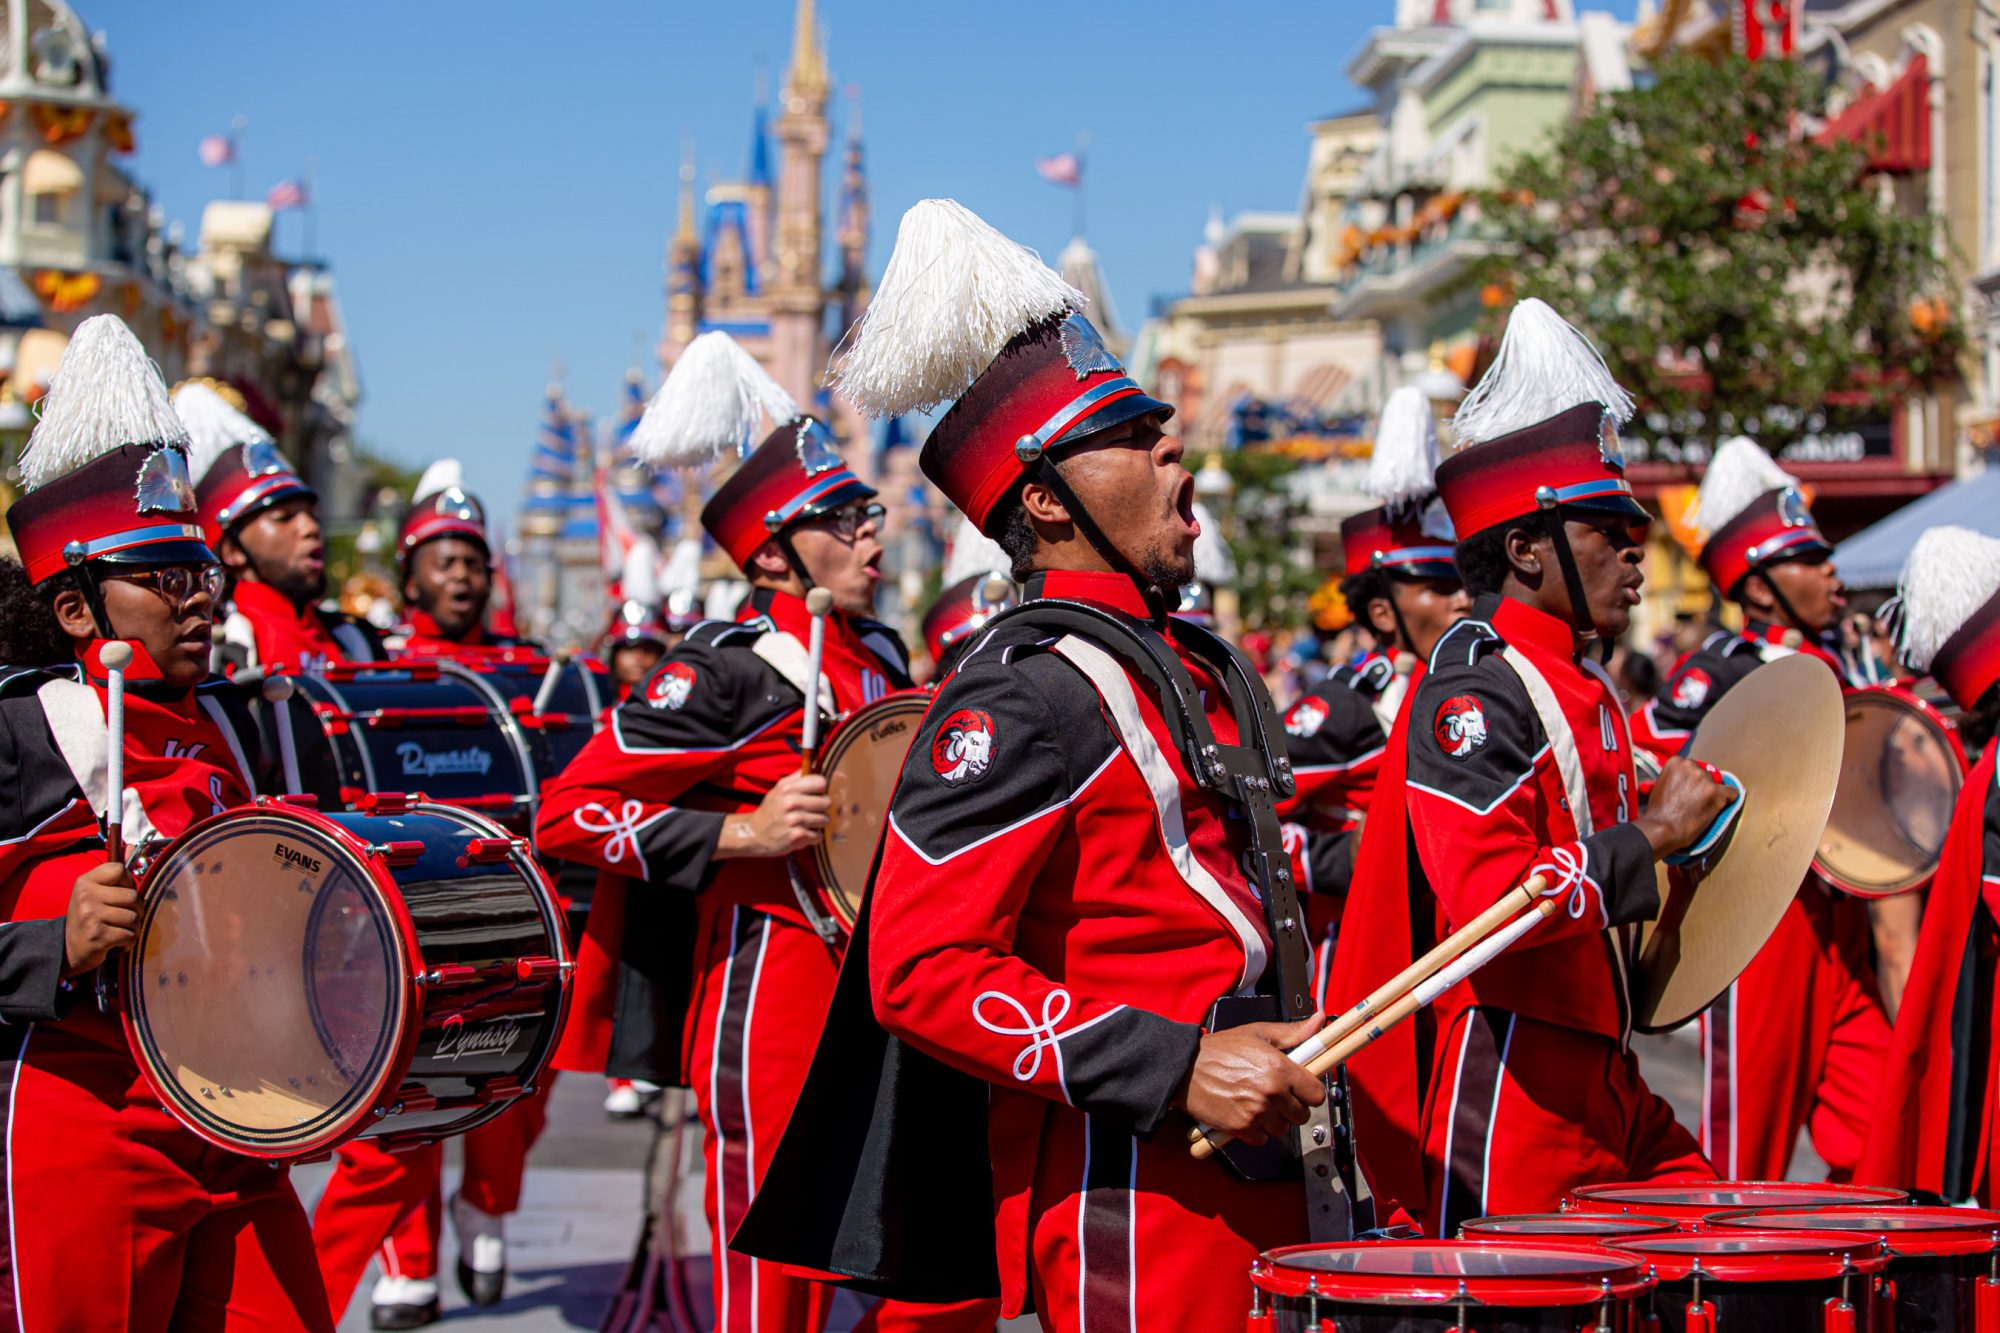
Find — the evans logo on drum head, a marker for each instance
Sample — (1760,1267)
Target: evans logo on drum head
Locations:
(293,859)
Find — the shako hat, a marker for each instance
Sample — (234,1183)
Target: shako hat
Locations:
(1408,533)
(440,506)
(1540,430)
(1750,512)
(965,316)
(964,607)
(1947,611)
(637,618)
(237,467)
(106,470)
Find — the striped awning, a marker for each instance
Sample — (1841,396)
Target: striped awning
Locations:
(1213,419)
(1319,388)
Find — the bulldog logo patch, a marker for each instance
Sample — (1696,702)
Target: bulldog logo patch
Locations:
(1460,726)
(963,749)
(670,686)
(1691,688)
(1308,715)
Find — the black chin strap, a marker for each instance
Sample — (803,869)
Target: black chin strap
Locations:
(94,599)
(792,558)
(1043,470)
(1580,618)
(1405,641)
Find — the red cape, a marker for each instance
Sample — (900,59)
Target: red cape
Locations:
(1912,1128)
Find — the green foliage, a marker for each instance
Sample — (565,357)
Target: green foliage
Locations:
(1723,263)
(1272,584)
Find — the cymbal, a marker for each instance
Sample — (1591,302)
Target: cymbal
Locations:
(1781,731)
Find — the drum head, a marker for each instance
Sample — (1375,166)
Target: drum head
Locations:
(1756,1256)
(1489,1272)
(1699,1199)
(862,761)
(1899,779)
(268,984)
(1571,1226)
(1907,1230)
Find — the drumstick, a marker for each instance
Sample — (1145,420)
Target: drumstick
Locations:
(818,602)
(546,694)
(1460,941)
(117,656)
(995,589)
(277,691)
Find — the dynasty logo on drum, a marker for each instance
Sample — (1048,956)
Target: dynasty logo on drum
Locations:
(418,762)
(1308,715)
(1460,726)
(1691,688)
(458,1039)
(963,749)
(670,687)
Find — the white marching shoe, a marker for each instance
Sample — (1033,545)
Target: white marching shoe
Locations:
(403,1302)
(482,1252)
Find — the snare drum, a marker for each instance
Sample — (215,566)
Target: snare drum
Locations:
(1424,1285)
(862,759)
(1944,1263)
(1567,1228)
(1760,1281)
(1692,1203)
(300,979)
(1900,772)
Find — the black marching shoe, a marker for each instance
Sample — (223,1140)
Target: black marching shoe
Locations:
(402,1302)
(482,1252)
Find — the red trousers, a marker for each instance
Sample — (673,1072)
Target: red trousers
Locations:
(1521,1112)
(118,1218)
(390,1205)
(763,985)
(1798,1042)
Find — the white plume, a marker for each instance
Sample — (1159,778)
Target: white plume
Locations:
(1949,574)
(1741,471)
(711,405)
(106,392)
(439,476)
(682,572)
(1214,563)
(213,426)
(640,580)
(954,293)
(1403,466)
(973,552)
(1544,367)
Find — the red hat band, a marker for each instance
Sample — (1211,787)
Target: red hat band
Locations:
(1376,539)
(1053,385)
(134,504)
(451,512)
(1571,460)
(246,479)
(794,474)
(1778,525)
(1969,662)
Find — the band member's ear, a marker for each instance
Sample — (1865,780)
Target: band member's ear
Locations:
(769,561)
(1042,505)
(73,614)
(234,558)
(1524,551)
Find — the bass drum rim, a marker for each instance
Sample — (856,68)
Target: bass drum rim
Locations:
(915,703)
(406,993)
(1941,728)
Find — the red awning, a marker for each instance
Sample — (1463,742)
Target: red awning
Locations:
(1893,126)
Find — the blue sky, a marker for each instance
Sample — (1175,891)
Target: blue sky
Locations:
(495,182)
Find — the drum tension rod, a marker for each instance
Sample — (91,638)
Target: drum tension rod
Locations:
(398,854)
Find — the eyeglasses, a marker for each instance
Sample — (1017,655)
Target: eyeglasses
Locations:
(177,585)
(847,521)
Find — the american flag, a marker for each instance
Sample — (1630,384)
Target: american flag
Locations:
(1064,169)
(284,195)
(217,150)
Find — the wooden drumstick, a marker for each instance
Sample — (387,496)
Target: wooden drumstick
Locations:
(546,693)
(818,603)
(1313,1052)
(995,590)
(116,656)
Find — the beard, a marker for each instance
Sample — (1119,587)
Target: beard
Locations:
(299,588)
(1167,572)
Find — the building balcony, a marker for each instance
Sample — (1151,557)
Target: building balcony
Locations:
(1405,277)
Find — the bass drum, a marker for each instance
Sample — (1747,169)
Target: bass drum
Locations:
(300,979)
(574,693)
(1900,775)
(862,758)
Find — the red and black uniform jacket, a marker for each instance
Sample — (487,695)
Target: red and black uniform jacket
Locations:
(187,755)
(1336,740)
(1933,1124)
(1471,802)
(1041,942)
(264,631)
(1664,726)
(714,728)
(421,637)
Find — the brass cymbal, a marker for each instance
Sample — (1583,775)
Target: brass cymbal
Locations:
(1780,730)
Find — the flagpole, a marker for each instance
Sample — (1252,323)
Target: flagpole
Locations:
(237,124)
(312,209)
(1082,162)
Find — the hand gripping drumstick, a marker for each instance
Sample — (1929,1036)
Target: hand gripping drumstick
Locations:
(1409,990)
(818,602)
(116,656)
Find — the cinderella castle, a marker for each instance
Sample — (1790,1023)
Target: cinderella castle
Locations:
(749,258)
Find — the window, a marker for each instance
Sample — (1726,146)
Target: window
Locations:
(49,209)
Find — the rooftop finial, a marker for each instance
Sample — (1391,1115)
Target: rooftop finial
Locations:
(807,78)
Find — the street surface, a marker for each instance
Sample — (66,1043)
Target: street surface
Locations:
(582,1206)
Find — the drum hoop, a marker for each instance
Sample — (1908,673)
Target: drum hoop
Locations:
(1606,1198)
(838,743)
(1978,1233)
(1628,1280)
(341,702)
(1638,1224)
(1821,1255)
(406,990)
(510,727)
(1943,728)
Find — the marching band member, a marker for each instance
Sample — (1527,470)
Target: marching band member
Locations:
(263,521)
(638,637)
(1797,1041)
(1932,1128)
(966,602)
(1401,583)
(389,1205)
(1511,759)
(1059,904)
(118,1217)
(693,797)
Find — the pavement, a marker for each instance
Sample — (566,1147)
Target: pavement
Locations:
(583,1203)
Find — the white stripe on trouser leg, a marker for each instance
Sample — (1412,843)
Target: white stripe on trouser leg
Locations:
(715,1099)
(1451,1122)
(749,1125)
(13,1234)
(1493,1118)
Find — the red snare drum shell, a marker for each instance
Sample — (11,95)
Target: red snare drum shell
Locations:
(1909,1230)
(1694,1201)
(1429,1272)
(1757,1256)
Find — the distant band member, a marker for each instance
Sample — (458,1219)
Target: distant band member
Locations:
(264,523)
(1517,1085)
(959,612)
(1797,1041)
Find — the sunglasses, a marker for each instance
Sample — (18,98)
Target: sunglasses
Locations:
(847,521)
(177,585)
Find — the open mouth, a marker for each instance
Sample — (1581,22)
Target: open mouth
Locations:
(1184,506)
(872,566)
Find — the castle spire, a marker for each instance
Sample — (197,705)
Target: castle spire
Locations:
(807,79)
(684,233)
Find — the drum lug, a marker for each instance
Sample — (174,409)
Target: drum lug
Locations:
(386,802)
(412,1100)
(503,1090)
(447,975)
(300,800)
(488,851)
(539,969)
(398,855)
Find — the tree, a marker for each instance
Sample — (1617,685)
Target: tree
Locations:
(1733,271)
